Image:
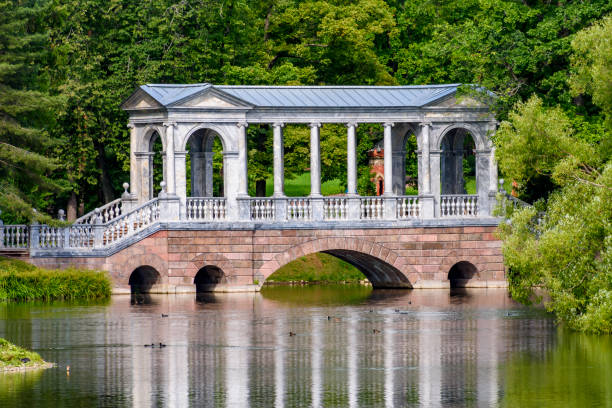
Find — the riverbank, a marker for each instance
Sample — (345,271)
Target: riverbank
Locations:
(316,268)
(15,358)
(21,281)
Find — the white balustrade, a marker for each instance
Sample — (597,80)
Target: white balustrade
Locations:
(14,237)
(335,208)
(372,208)
(408,207)
(81,236)
(262,209)
(50,237)
(130,223)
(298,209)
(206,209)
(108,212)
(458,205)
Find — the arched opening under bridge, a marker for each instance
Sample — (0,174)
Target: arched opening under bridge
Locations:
(461,273)
(143,278)
(380,269)
(208,277)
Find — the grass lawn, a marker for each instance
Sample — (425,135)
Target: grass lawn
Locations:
(318,267)
(22,281)
(300,186)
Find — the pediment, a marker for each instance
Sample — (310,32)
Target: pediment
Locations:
(211,99)
(141,100)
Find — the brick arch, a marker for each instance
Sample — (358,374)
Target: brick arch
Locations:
(123,267)
(341,247)
(209,259)
(453,259)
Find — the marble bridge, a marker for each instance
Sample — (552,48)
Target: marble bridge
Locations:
(185,238)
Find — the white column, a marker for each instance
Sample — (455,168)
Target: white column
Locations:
(492,171)
(315,161)
(388,147)
(279,157)
(315,363)
(243,185)
(426,176)
(351,159)
(134,179)
(170,169)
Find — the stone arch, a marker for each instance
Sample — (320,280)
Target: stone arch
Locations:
(479,139)
(225,140)
(208,277)
(122,267)
(143,278)
(476,272)
(200,141)
(203,260)
(381,265)
(147,139)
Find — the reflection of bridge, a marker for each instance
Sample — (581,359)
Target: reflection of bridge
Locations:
(234,241)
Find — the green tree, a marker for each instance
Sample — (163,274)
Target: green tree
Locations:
(568,252)
(25,112)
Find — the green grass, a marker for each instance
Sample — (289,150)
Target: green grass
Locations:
(11,356)
(22,281)
(300,186)
(318,267)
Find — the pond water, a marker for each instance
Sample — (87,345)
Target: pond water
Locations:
(353,347)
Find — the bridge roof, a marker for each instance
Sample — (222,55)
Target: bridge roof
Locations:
(305,96)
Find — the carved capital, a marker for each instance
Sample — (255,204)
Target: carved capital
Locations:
(242,125)
(131,126)
(278,124)
(388,124)
(426,124)
(352,124)
(315,125)
(169,124)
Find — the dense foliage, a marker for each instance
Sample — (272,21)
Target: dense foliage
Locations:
(66,65)
(22,281)
(567,251)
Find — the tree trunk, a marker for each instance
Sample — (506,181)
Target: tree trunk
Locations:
(72,207)
(260,188)
(107,187)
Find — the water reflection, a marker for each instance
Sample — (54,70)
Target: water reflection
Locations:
(352,347)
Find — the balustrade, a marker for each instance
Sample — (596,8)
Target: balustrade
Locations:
(81,236)
(458,205)
(298,209)
(50,237)
(128,224)
(408,207)
(108,212)
(206,209)
(262,209)
(372,208)
(335,208)
(14,236)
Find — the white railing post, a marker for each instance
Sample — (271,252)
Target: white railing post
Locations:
(280,209)
(390,208)
(2,245)
(353,208)
(428,203)
(98,230)
(35,235)
(316,209)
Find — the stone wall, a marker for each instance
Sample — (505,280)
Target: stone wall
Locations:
(411,257)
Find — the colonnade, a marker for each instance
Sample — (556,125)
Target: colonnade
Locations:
(440,153)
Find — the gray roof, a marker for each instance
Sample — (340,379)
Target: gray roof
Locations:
(309,96)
